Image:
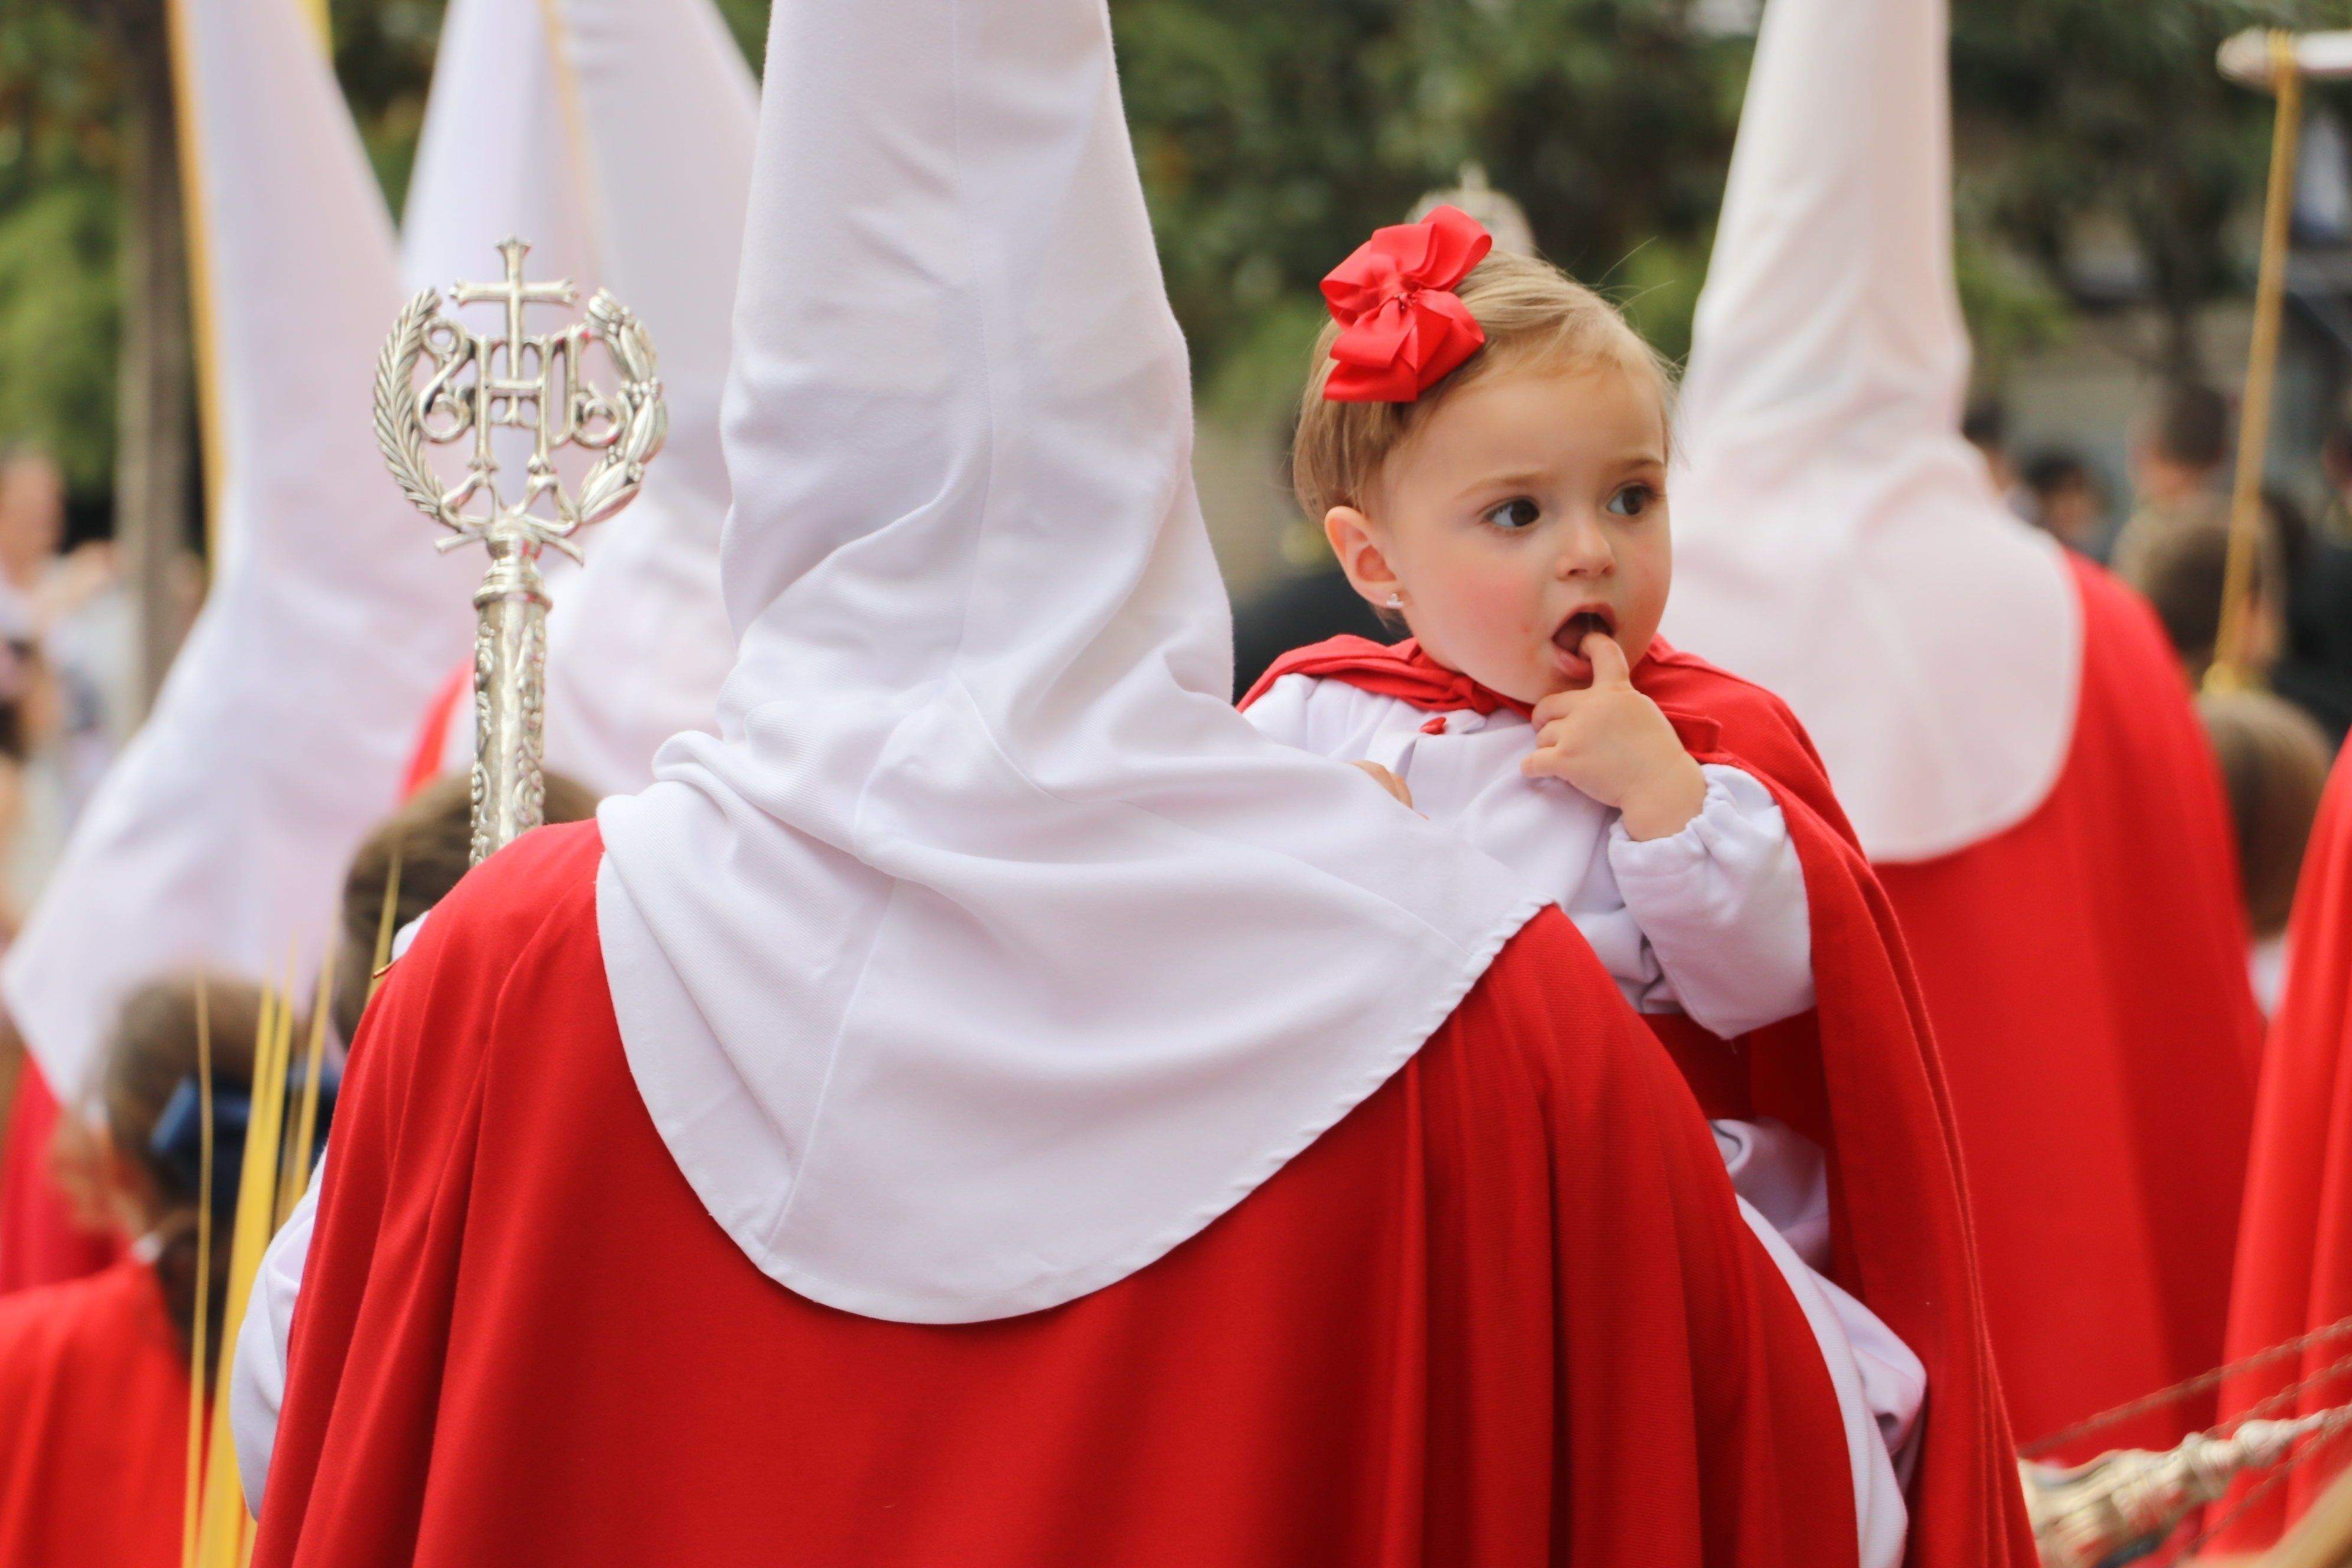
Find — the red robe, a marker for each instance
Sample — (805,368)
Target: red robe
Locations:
(2086,973)
(41,1240)
(93,1424)
(1858,1074)
(2295,1254)
(1503,1313)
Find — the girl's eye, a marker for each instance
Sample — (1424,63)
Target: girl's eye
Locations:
(1632,500)
(1515,514)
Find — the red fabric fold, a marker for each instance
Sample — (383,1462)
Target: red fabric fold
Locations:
(1504,1315)
(42,1241)
(93,1424)
(2294,1251)
(1859,1075)
(2086,973)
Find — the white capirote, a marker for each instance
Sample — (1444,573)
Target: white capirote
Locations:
(220,835)
(1835,537)
(651,112)
(987,953)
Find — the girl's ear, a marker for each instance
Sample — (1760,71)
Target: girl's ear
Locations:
(1361,556)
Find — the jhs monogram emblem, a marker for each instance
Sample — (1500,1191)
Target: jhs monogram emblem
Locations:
(537,383)
(534,382)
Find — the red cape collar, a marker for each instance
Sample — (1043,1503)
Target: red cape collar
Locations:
(1402,670)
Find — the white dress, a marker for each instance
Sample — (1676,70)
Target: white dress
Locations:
(1711,923)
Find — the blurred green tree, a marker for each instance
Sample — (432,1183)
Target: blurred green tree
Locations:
(59,219)
(1274,134)
(2103,150)
(2102,161)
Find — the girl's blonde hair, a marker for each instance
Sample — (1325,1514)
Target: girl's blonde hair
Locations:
(1530,311)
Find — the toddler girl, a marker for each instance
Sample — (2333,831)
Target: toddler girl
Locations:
(1485,443)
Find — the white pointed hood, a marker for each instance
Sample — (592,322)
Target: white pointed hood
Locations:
(638,642)
(502,153)
(987,953)
(221,834)
(622,136)
(1835,538)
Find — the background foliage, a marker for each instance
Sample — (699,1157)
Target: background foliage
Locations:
(2103,163)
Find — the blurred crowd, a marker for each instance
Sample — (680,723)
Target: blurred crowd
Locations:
(68,696)
(2275,742)
(2171,541)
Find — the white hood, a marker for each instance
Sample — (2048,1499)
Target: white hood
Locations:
(987,953)
(625,141)
(1835,537)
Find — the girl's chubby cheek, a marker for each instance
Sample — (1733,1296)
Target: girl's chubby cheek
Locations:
(1500,601)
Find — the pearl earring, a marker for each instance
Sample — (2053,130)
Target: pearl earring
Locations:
(1396,601)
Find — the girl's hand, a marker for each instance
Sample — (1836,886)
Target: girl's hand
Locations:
(1611,742)
(1386,780)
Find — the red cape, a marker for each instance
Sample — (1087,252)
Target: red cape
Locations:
(1858,1074)
(2294,1256)
(41,1241)
(1505,1314)
(93,1424)
(2086,973)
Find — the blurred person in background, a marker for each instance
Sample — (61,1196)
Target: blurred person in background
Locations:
(2066,500)
(2180,454)
(29,721)
(2181,572)
(32,533)
(94,1371)
(2275,762)
(2315,670)
(73,612)
(1985,427)
(2300,639)
(418,853)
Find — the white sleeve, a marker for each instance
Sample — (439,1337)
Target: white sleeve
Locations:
(1281,713)
(1722,906)
(256,1379)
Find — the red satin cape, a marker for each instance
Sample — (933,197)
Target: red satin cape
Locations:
(2086,973)
(2294,1253)
(93,1424)
(41,1240)
(1505,1314)
(1858,1075)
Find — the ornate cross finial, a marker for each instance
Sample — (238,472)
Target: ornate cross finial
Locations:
(536,383)
(476,385)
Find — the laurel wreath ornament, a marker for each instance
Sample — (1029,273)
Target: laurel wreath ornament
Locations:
(613,482)
(628,427)
(399,429)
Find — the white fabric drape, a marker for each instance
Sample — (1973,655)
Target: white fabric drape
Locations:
(1835,538)
(638,642)
(626,139)
(502,154)
(220,835)
(987,953)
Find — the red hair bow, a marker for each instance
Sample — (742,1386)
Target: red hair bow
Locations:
(1402,326)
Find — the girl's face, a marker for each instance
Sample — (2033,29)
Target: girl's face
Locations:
(1528,511)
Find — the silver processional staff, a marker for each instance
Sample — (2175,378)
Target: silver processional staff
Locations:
(473,386)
